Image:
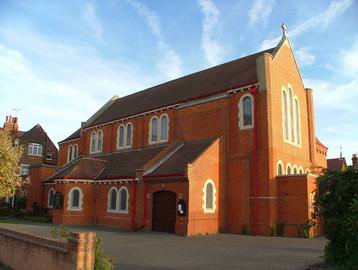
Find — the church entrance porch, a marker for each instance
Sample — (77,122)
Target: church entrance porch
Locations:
(164,211)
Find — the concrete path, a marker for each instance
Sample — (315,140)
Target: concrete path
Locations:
(157,251)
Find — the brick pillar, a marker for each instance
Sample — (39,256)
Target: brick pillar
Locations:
(83,246)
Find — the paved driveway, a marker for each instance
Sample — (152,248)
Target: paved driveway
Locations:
(157,251)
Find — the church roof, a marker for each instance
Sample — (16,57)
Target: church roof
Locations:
(207,82)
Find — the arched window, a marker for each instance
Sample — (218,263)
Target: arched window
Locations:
(291,112)
(112,199)
(284,115)
(295,170)
(300,170)
(93,141)
(297,121)
(280,168)
(164,128)
(51,193)
(246,112)
(289,169)
(76,150)
(69,154)
(99,140)
(209,197)
(120,142)
(123,199)
(129,134)
(154,129)
(75,199)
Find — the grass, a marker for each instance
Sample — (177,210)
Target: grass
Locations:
(6,221)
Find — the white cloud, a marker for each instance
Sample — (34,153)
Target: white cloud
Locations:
(260,11)
(90,16)
(170,64)
(211,47)
(335,9)
(349,60)
(304,56)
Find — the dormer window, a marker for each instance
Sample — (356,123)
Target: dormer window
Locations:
(96,141)
(159,129)
(35,149)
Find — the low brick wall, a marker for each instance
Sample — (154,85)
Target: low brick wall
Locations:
(24,251)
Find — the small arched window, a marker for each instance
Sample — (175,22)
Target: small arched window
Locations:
(75,199)
(112,199)
(246,112)
(280,168)
(93,141)
(123,199)
(69,153)
(120,142)
(164,128)
(129,134)
(100,141)
(154,129)
(289,169)
(51,194)
(300,170)
(209,197)
(295,170)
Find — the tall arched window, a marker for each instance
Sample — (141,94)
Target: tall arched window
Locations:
(295,170)
(75,199)
(120,134)
(164,128)
(100,141)
(291,118)
(246,112)
(297,121)
(129,134)
(209,197)
(123,199)
(154,129)
(50,198)
(284,115)
(280,168)
(75,151)
(112,199)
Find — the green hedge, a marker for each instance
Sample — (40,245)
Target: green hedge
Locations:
(337,201)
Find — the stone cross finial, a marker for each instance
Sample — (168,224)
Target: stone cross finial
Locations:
(284,29)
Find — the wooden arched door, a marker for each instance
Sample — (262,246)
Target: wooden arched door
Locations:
(164,211)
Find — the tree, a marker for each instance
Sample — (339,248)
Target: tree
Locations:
(10,179)
(337,201)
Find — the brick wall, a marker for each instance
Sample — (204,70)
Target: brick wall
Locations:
(40,253)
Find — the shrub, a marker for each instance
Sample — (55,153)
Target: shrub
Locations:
(20,203)
(337,201)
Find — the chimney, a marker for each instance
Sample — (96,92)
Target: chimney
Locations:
(11,124)
(355,161)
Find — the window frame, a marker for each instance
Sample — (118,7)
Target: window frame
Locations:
(289,169)
(280,163)
(241,112)
(164,115)
(96,141)
(151,141)
(24,167)
(205,209)
(109,201)
(31,149)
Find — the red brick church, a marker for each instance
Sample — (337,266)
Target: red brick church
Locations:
(228,149)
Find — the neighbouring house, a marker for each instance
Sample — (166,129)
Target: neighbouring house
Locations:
(228,149)
(39,154)
(336,164)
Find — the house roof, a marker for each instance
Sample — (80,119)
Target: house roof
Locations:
(319,143)
(124,164)
(336,164)
(74,135)
(178,161)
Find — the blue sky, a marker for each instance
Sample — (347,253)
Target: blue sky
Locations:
(61,60)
